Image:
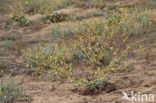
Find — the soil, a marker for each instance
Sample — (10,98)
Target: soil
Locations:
(141,77)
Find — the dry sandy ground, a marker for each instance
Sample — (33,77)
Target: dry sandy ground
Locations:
(141,78)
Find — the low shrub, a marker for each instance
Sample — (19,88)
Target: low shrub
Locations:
(21,7)
(14,19)
(150,4)
(73,28)
(9,90)
(4,64)
(49,56)
(56,18)
(99,4)
(8,44)
(100,45)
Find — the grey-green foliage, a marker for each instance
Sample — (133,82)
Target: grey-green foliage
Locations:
(70,30)
(96,84)
(5,63)
(9,90)
(8,44)
(67,30)
(151,4)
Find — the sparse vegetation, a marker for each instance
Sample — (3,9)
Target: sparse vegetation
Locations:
(12,37)
(79,27)
(4,64)
(150,5)
(86,46)
(14,19)
(56,18)
(96,44)
(20,7)
(9,90)
(99,4)
(8,44)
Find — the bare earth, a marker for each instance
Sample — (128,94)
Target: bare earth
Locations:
(141,77)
